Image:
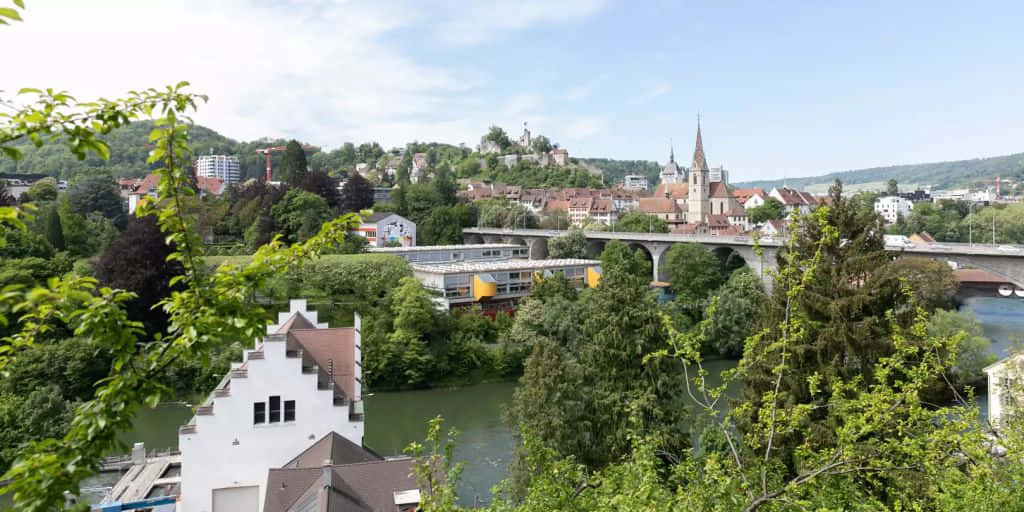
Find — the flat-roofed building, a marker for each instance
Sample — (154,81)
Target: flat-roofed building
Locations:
(433,254)
(498,285)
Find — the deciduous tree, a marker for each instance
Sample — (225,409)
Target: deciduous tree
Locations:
(293,166)
(356,194)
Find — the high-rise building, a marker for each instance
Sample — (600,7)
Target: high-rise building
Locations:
(223,167)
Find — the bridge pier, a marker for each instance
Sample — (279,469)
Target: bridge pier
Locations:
(656,250)
(538,248)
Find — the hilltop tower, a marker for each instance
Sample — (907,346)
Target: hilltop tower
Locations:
(671,173)
(698,202)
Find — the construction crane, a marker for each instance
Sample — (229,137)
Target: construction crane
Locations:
(275,149)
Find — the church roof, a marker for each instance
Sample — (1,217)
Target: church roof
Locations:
(673,190)
(700,163)
(657,205)
(719,189)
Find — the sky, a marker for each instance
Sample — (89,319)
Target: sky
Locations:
(784,89)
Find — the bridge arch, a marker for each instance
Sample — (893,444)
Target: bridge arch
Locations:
(538,248)
(730,258)
(595,246)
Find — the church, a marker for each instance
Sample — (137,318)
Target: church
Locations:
(704,202)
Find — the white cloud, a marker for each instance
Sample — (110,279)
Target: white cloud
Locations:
(480,21)
(585,127)
(324,72)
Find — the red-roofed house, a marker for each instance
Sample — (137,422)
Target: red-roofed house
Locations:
(302,381)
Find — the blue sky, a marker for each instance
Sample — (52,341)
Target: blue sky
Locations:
(784,88)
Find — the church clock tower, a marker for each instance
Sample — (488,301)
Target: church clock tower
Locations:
(699,202)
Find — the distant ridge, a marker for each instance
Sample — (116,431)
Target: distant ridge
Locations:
(940,175)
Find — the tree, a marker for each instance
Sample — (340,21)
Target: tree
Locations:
(616,257)
(693,271)
(43,190)
(931,282)
(444,182)
(319,183)
(541,144)
(444,225)
(557,219)
(52,228)
(772,209)
(498,136)
(738,308)
(570,245)
(300,214)
(892,188)
(293,166)
(975,349)
(137,262)
(356,194)
(96,194)
(638,222)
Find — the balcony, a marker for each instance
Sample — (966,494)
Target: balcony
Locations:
(204,410)
(239,373)
(187,429)
(257,354)
(223,392)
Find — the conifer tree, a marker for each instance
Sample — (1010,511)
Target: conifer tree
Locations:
(293,164)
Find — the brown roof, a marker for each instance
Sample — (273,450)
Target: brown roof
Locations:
(602,206)
(738,211)
(360,487)
(719,189)
(148,183)
(923,236)
(729,231)
(674,190)
(685,229)
(332,349)
(657,205)
(334,447)
(791,197)
(718,221)
(973,275)
(743,194)
(211,185)
(556,204)
(297,321)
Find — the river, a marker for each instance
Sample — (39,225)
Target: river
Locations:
(485,443)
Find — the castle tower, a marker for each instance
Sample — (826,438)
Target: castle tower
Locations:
(671,173)
(699,203)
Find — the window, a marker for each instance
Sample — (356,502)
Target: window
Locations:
(289,410)
(275,409)
(259,413)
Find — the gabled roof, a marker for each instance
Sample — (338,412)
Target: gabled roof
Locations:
(719,189)
(210,185)
(674,190)
(657,205)
(335,448)
(378,216)
(331,349)
(744,194)
(147,184)
(359,487)
(297,321)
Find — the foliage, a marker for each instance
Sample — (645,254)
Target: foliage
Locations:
(557,219)
(300,214)
(293,167)
(639,222)
(43,191)
(319,183)
(356,194)
(771,209)
(498,136)
(892,187)
(738,308)
(497,213)
(573,244)
(616,257)
(693,271)
(616,170)
(541,144)
(96,194)
(975,349)
(138,262)
(933,283)
(444,225)
(52,228)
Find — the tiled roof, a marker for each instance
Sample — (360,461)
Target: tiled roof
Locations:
(333,349)
(580,203)
(335,448)
(743,194)
(360,487)
(211,185)
(719,189)
(602,206)
(685,229)
(738,211)
(657,205)
(675,190)
(147,184)
(718,221)
(557,204)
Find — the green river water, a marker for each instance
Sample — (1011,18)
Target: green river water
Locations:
(395,419)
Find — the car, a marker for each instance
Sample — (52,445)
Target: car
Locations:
(1008,248)
(939,247)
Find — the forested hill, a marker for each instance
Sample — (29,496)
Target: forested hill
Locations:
(615,170)
(960,173)
(129,147)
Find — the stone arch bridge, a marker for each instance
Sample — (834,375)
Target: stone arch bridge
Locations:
(1004,261)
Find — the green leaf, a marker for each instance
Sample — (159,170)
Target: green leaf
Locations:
(8,12)
(14,153)
(20,3)
(29,90)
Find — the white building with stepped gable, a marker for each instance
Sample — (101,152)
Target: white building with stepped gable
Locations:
(298,384)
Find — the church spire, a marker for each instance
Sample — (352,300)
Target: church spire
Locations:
(671,152)
(699,162)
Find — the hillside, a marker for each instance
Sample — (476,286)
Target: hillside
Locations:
(940,175)
(615,170)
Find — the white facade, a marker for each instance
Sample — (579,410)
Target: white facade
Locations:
(634,182)
(226,454)
(1004,387)
(754,201)
(379,229)
(222,167)
(892,207)
(716,174)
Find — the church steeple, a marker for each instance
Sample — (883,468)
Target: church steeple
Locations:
(700,163)
(671,152)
